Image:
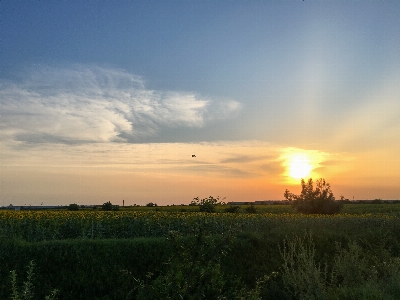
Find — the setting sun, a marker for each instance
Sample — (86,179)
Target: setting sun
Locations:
(299,166)
(300,163)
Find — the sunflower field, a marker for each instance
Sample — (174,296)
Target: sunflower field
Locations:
(161,254)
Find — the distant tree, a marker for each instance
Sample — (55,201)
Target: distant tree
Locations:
(107,206)
(73,206)
(314,201)
(207,204)
(344,200)
(151,204)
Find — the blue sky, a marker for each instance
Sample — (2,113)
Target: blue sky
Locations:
(310,76)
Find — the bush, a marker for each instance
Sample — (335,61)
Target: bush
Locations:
(194,272)
(73,206)
(354,272)
(314,201)
(207,204)
(107,206)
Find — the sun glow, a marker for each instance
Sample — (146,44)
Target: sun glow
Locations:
(299,166)
(300,163)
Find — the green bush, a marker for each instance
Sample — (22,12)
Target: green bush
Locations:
(195,272)
(353,273)
(107,206)
(73,206)
(207,204)
(314,201)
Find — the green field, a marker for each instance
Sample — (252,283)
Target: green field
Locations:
(133,253)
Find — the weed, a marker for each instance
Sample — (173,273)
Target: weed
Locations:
(27,288)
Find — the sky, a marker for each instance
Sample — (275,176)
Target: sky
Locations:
(109,100)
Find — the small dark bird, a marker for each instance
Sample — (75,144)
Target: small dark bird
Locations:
(193,155)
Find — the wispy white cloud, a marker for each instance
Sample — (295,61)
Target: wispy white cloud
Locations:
(93,104)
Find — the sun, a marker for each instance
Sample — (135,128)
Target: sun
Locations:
(299,166)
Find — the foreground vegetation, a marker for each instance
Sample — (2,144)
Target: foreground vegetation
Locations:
(272,253)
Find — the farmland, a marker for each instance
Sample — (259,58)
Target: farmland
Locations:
(34,226)
(94,254)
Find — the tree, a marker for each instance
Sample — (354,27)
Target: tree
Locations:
(73,206)
(151,204)
(107,206)
(314,201)
(207,204)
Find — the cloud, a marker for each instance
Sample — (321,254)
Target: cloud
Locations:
(217,171)
(245,159)
(93,104)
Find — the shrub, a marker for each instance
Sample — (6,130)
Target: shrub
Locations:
(354,272)
(302,276)
(194,272)
(107,206)
(207,204)
(314,201)
(73,206)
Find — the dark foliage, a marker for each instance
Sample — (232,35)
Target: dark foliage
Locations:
(207,204)
(314,201)
(195,271)
(73,206)
(107,206)
(110,268)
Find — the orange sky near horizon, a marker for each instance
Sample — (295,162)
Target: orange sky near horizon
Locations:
(168,174)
